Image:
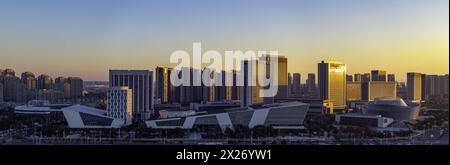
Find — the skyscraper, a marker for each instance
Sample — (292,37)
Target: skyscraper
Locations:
(443,85)
(120,103)
(76,87)
(1,92)
(311,82)
(378,75)
(349,78)
(434,86)
(391,77)
(29,80)
(221,91)
(365,77)
(9,72)
(290,88)
(13,89)
(357,77)
(235,89)
(209,92)
(353,91)
(140,82)
(332,83)
(296,82)
(378,89)
(250,94)
(402,90)
(282,77)
(414,86)
(62,85)
(163,88)
(44,82)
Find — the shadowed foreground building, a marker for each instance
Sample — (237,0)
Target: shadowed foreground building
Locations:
(79,116)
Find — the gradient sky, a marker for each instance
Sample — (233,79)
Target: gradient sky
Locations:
(87,37)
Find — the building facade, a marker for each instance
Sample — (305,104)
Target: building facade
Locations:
(296,82)
(311,83)
(44,82)
(140,82)
(414,86)
(120,104)
(378,75)
(332,83)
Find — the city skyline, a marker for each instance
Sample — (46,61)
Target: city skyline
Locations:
(87,38)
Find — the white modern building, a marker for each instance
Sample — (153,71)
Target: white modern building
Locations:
(174,113)
(39,107)
(289,115)
(120,104)
(79,116)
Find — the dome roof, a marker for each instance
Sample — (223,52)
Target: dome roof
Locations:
(390,101)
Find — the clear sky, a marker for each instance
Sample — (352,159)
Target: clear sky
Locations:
(87,37)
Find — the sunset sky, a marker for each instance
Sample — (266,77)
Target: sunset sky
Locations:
(85,38)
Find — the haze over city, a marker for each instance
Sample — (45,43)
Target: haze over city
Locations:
(87,38)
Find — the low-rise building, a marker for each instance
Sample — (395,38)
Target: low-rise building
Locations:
(360,119)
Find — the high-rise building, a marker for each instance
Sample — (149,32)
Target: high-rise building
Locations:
(290,88)
(13,89)
(402,90)
(332,83)
(353,91)
(434,86)
(282,77)
(391,77)
(443,85)
(164,90)
(378,89)
(29,80)
(365,77)
(296,82)
(44,82)
(9,72)
(311,82)
(250,93)
(209,92)
(235,88)
(369,91)
(246,98)
(120,104)
(60,80)
(349,78)
(221,90)
(190,93)
(357,77)
(76,87)
(140,82)
(414,85)
(1,92)
(62,85)
(378,75)
(424,87)
(53,96)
